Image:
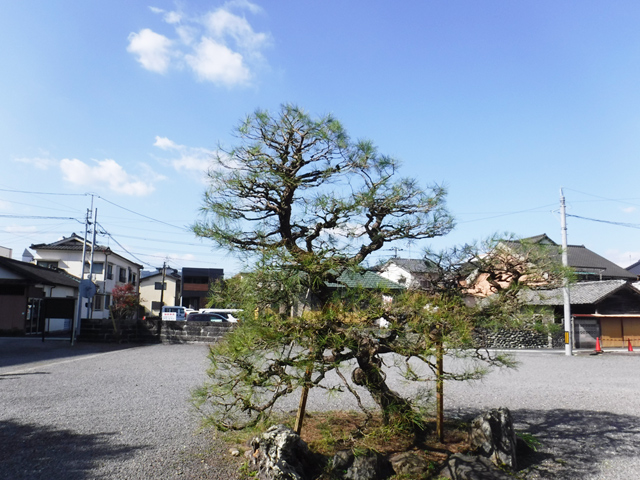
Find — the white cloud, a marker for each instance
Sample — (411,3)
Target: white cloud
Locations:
(176,257)
(219,47)
(218,64)
(41,163)
(20,229)
(165,144)
(104,173)
(172,17)
(5,206)
(192,159)
(629,209)
(153,50)
(222,24)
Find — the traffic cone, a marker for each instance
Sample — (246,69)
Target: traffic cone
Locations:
(598,349)
(629,347)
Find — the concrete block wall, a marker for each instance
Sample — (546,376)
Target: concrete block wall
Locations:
(146,331)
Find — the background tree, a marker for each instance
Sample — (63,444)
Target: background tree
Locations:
(124,305)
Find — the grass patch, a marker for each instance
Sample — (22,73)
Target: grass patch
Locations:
(326,433)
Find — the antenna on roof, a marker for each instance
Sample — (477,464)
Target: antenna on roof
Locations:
(395,251)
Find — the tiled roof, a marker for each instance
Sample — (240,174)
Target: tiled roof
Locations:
(412,265)
(365,279)
(581,293)
(74,244)
(38,274)
(583,260)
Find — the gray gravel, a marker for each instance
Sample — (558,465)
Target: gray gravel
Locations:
(96,411)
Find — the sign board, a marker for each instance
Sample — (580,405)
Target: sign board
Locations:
(169,316)
(87,289)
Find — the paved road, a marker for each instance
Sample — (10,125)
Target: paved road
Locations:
(99,411)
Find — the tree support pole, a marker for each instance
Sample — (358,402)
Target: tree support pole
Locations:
(302,406)
(440,391)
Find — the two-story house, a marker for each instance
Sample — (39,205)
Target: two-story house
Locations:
(109,269)
(158,288)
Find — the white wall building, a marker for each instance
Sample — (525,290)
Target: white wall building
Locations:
(409,272)
(151,290)
(109,269)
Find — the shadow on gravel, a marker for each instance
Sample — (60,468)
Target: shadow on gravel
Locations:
(35,452)
(20,351)
(576,443)
(573,443)
(14,376)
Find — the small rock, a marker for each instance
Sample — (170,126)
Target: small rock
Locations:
(234,452)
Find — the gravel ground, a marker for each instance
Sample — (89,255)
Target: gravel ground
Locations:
(98,411)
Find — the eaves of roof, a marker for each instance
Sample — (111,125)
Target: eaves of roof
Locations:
(581,293)
(38,274)
(78,248)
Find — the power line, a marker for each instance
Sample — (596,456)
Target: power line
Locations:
(139,214)
(118,243)
(44,193)
(620,224)
(604,198)
(507,214)
(41,217)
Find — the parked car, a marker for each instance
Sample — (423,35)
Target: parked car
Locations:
(226,313)
(207,317)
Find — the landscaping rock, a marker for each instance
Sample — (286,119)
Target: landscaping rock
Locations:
(493,436)
(347,466)
(467,467)
(409,464)
(280,454)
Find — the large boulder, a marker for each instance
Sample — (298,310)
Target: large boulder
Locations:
(280,454)
(493,436)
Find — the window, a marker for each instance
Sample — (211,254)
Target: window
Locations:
(133,279)
(47,264)
(97,268)
(122,275)
(160,285)
(110,271)
(97,302)
(156,305)
(107,301)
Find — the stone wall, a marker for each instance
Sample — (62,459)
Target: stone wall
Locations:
(519,339)
(146,331)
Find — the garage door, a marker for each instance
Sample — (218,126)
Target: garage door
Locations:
(617,331)
(585,332)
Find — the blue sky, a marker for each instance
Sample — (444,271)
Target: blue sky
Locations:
(503,102)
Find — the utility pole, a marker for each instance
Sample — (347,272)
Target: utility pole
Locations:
(93,249)
(75,324)
(568,334)
(164,276)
